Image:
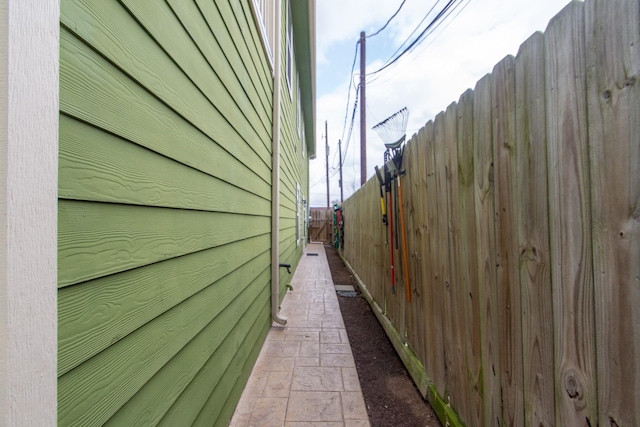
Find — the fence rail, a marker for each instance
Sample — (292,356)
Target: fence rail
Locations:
(522,206)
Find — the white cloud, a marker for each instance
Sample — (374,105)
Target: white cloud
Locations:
(342,20)
(426,81)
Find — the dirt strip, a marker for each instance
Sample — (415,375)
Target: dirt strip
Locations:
(389,393)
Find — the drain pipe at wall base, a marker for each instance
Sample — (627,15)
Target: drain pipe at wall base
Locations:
(275,175)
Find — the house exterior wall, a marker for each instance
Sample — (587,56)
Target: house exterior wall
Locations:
(294,160)
(164,209)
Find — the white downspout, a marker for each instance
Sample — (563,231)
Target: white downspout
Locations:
(275,174)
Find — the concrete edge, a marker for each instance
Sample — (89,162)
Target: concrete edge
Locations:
(443,410)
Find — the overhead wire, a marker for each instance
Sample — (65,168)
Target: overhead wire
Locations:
(448,22)
(346,112)
(388,21)
(442,25)
(418,40)
(446,11)
(344,125)
(414,30)
(353,118)
(370,114)
(353,66)
(335,169)
(376,77)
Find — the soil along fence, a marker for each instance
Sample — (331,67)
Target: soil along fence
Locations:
(522,206)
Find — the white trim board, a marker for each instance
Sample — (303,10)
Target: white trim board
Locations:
(29,52)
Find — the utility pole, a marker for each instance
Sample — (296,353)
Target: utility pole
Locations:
(340,157)
(326,144)
(363,111)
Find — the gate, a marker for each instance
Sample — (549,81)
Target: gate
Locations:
(321,225)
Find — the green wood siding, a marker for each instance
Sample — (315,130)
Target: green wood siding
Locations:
(294,170)
(164,209)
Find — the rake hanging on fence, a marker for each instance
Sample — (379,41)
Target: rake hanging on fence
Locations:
(392,131)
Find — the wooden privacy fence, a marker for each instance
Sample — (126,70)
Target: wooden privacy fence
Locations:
(522,206)
(321,225)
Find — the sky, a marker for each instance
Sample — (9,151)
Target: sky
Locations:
(462,49)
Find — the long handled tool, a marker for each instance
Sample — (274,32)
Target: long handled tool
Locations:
(398,213)
(389,190)
(393,132)
(382,207)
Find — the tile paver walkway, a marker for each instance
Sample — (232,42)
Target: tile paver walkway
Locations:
(305,374)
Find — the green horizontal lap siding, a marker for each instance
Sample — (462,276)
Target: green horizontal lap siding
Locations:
(97,239)
(95,91)
(164,210)
(96,389)
(294,171)
(137,296)
(230,381)
(237,17)
(228,66)
(169,395)
(237,373)
(102,167)
(163,58)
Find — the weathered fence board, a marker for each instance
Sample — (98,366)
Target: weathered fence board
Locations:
(412,200)
(440,272)
(613,92)
(485,235)
(522,210)
(507,277)
(458,395)
(569,218)
(531,199)
(434,295)
(468,259)
(422,281)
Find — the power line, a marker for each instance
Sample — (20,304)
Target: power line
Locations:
(388,21)
(434,38)
(346,110)
(419,39)
(414,30)
(371,113)
(344,124)
(335,169)
(353,118)
(392,60)
(446,11)
(459,7)
(353,64)
(375,81)
(376,77)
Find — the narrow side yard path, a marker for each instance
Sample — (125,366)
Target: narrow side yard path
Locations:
(305,374)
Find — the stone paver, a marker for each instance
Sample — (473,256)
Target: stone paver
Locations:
(305,374)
